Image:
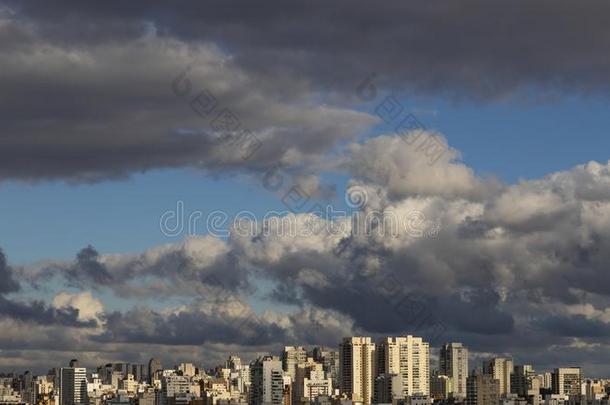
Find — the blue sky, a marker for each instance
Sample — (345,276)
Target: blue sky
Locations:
(506,139)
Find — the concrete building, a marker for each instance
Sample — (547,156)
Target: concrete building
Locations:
(501,369)
(408,357)
(482,389)
(453,361)
(187,369)
(267,381)
(388,388)
(441,387)
(521,380)
(73,383)
(566,381)
(310,382)
(357,359)
(154,367)
(291,357)
(173,386)
(331,362)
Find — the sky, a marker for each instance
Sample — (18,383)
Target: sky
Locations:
(116,117)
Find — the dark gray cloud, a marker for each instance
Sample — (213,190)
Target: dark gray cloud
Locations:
(33,311)
(434,47)
(8,283)
(39,312)
(227,321)
(97,102)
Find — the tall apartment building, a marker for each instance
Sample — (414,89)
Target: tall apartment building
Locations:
(266,381)
(357,360)
(187,369)
(291,357)
(454,364)
(482,389)
(154,366)
(546,380)
(330,361)
(441,386)
(521,378)
(408,357)
(501,369)
(73,383)
(310,382)
(566,381)
(173,386)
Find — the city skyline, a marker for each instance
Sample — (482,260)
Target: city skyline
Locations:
(434,358)
(185,180)
(361,371)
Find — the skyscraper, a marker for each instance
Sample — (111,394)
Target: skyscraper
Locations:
(482,389)
(291,357)
(454,364)
(501,369)
(357,360)
(388,388)
(566,381)
(330,360)
(154,365)
(408,357)
(267,381)
(311,381)
(73,382)
(520,382)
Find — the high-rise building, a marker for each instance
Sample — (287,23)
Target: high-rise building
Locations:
(408,357)
(520,382)
(73,383)
(482,389)
(173,386)
(501,369)
(441,386)
(310,382)
(291,357)
(187,369)
(388,388)
(266,381)
(233,363)
(357,360)
(154,366)
(566,381)
(454,363)
(330,361)
(546,380)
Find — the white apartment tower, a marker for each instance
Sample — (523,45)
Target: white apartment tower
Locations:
(267,381)
(357,362)
(454,364)
(408,357)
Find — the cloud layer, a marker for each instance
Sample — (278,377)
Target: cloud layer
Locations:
(513,268)
(87,89)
